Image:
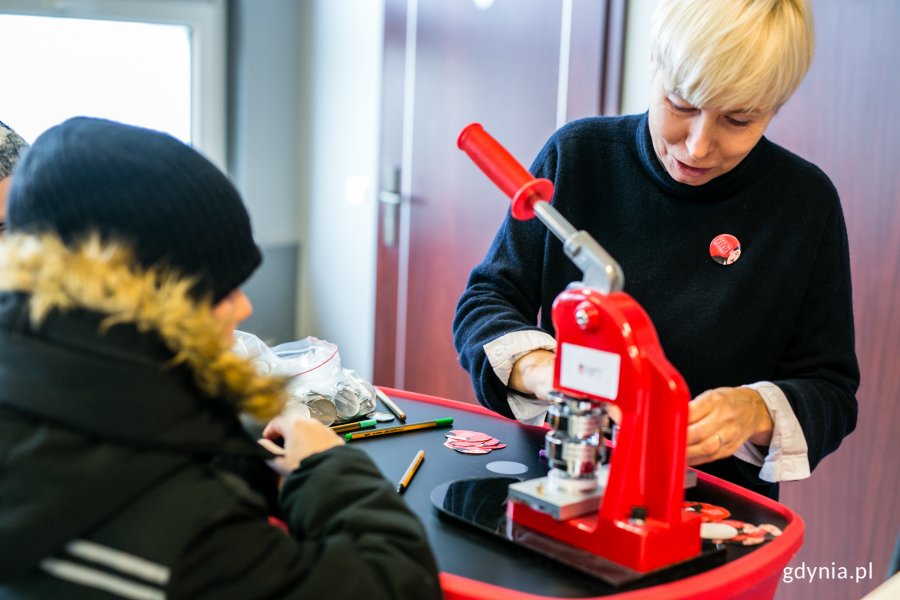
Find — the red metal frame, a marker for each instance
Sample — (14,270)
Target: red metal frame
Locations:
(647,467)
(648,463)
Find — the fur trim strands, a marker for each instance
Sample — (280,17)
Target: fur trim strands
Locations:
(103,278)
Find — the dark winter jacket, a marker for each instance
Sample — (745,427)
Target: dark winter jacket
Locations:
(117,413)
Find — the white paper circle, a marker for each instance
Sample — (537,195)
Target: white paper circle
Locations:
(506,467)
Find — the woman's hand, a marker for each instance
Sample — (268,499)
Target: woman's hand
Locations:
(721,420)
(533,374)
(302,437)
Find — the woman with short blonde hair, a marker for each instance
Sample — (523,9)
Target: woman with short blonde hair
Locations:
(735,247)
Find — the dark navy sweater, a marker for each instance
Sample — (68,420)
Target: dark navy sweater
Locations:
(781,313)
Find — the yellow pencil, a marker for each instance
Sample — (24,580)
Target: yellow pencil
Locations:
(410,471)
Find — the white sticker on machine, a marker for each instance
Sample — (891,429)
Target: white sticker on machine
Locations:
(590,371)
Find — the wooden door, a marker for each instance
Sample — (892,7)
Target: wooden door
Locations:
(845,119)
(447,64)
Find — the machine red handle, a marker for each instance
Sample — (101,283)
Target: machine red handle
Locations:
(505,171)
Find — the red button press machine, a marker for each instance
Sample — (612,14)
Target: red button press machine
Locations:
(608,353)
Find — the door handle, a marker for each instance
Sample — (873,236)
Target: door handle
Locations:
(390,198)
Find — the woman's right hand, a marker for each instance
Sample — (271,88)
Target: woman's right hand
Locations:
(302,437)
(533,374)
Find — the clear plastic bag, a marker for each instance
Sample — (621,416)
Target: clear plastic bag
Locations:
(317,382)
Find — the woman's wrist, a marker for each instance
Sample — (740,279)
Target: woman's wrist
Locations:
(765,426)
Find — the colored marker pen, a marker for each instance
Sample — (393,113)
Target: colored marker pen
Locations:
(445,422)
(354,426)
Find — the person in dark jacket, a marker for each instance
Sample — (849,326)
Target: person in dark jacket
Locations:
(12,147)
(124,469)
(735,247)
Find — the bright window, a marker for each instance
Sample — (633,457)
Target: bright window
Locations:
(154,63)
(130,72)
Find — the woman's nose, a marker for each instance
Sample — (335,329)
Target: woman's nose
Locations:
(700,139)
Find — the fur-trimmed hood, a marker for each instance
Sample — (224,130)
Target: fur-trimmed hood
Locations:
(103,278)
(111,381)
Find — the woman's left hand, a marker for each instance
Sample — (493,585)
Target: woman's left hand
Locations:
(721,420)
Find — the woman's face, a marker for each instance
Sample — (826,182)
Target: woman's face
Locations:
(696,145)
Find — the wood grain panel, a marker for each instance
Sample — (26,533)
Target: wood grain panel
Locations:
(498,67)
(845,119)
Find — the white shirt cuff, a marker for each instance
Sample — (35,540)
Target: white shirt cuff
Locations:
(788,457)
(527,409)
(503,353)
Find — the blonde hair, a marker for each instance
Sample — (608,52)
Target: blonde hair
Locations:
(733,54)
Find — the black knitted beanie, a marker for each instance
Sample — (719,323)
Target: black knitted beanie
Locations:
(141,187)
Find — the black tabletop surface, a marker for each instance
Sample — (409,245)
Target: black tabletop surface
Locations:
(470,553)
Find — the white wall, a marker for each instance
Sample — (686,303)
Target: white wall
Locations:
(267,124)
(266,131)
(636,83)
(337,273)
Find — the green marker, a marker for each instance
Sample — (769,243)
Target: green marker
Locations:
(354,426)
(445,422)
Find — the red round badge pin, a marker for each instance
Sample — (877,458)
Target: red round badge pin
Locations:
(725,249)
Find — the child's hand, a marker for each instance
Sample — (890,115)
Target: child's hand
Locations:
(302,437)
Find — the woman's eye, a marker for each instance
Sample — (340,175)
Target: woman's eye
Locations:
(679,108)
(739,122)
